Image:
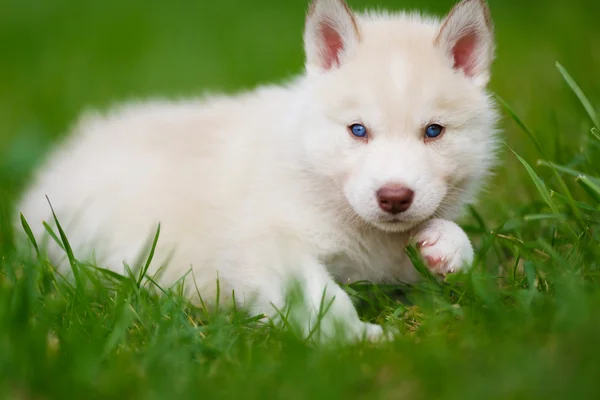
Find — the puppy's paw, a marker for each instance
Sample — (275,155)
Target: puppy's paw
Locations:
(444,246)
(375,333)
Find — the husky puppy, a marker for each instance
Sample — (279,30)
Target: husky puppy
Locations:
(379,143)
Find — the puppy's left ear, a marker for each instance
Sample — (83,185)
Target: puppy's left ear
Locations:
(467,38)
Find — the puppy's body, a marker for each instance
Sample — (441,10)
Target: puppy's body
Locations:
(270,185)
(188,166)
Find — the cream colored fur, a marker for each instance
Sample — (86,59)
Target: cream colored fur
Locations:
(270,185)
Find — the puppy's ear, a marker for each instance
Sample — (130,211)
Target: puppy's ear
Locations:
(467,37)
(330,33)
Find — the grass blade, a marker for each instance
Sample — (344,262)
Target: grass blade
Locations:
(66,247)
(544,217)
(150,256)
(566,170)
(522,124)
(419,264)
(541,150)
(590,186)
(564,200)
(579,93)
(522,246)
(541,187)
(110,274)
(29,234)
(563,169)
(50,231)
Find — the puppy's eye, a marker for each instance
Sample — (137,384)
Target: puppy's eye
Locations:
(358,130)
(433,131)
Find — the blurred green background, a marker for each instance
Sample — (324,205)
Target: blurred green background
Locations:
(61,56)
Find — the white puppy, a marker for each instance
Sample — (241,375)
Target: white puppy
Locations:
(382,140)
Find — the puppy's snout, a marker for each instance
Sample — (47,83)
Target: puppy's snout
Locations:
(395,198)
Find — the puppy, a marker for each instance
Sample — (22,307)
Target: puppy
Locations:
(379,143)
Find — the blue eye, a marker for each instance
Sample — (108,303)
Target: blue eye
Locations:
(358,130)
(434,130)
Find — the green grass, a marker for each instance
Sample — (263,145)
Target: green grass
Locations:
(524,324)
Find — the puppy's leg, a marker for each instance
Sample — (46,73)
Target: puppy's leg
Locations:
(323,310)
(328,308)
(444,246)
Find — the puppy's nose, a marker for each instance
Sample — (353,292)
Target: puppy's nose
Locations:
(394,198)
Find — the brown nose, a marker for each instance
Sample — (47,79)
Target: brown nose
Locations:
(394,198)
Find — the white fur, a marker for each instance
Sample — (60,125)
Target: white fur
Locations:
(444,246)
(268,185)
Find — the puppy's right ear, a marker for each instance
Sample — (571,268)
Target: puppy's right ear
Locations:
(330,33)
(467,38)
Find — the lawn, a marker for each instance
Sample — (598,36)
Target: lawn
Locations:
(524,324)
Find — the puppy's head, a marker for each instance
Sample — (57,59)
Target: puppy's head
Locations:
(396,110)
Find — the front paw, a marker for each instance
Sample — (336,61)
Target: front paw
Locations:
(444,246)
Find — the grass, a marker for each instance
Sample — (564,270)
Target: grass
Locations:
(523,325)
